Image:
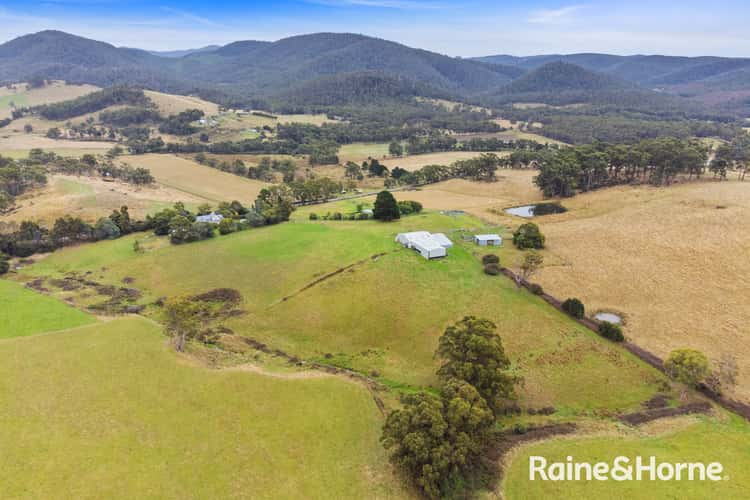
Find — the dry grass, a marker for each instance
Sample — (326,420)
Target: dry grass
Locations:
(416,162)
(170,104)
(192,178)
(57,91)
(671,259)
(91,198)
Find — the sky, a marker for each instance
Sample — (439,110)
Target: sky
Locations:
(470,28)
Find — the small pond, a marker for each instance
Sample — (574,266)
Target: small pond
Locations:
(529,211)
(609,317)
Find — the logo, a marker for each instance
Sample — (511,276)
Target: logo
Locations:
(623,469)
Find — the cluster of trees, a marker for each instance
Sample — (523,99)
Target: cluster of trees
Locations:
(31,237)
(16,177)
(691,368)
(734,155)
(437,439)
(90,103)
(263,171)
(315,189)
(482,168)
(585,124)
(130,115)
(565,171)
(181,123)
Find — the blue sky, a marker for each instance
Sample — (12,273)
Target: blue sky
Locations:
(475,27)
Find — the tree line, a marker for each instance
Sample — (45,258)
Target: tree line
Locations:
(566,171)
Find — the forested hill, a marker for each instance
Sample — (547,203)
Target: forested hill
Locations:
(563,77)
(244,67)
(718,81)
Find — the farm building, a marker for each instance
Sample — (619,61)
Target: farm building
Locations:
(488,240)
(212,218)
(430,246)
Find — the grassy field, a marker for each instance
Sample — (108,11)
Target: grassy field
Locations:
(91,198)
(703,440)
(171,104)
(197,180)
(24,312)
(57,91)
(382,315)
(360,151)
(415,162)
(109,411)
(672,261)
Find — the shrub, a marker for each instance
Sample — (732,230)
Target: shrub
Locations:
(490,258)
(548,208)
(528,236)
(227,226)
(363,216)
(492,269)
(611,331)
(536,289)
(4,264)
(574,307)
(337,216)
(409,207)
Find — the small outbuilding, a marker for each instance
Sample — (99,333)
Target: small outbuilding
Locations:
(484,240)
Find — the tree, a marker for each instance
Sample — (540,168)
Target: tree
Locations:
(54,133)
(574,307)
(531,264)
(4,264)
(28,128)
(185,319)
(435,439)
(528,236)
(122,219)
(395,149)
(611,331)
(472,351)
(386,207)
(688,367)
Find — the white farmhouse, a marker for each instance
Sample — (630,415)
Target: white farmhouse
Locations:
(212,218)
(488,239)
(430,246)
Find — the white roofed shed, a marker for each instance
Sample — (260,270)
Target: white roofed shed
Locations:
(488,239)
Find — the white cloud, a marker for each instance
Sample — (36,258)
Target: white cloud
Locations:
(554,16)
(389,4)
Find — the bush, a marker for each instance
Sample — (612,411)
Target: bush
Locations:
(528,236)
(337,216)
(536,289)
(363,216)
(386,208)
(490,258)
(492,269)
(548,208)
(574,307)
(313,216)
(611,331)
(409,207)
(4,264)
(227,226)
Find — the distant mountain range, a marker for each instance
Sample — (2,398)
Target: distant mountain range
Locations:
(186,52)
(331,68)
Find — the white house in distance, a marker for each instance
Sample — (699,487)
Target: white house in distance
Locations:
(430,246)
(212,218)
(484,240)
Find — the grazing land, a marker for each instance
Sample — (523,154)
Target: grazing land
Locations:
(686,439)
(672,261)
(415,162)
(197,180)
(91,198)
(21,95)
(25,312)
(148,423)
(349,320)
(171,104)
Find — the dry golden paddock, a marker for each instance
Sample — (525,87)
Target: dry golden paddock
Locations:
(674,261)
